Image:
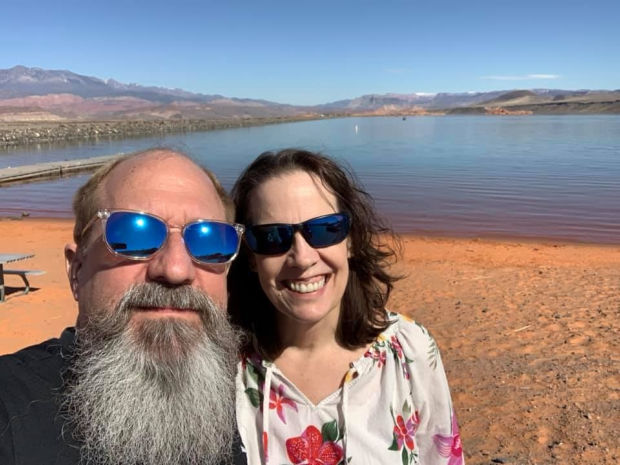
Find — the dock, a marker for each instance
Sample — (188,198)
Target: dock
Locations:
(50,170)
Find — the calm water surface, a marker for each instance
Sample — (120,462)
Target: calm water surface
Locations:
(539,176)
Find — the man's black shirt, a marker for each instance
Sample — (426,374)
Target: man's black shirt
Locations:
(32,431)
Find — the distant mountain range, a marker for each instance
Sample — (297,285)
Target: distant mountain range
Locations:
(29,94)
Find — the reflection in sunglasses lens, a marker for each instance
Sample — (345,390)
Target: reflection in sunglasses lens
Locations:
(134,234)
(211,242)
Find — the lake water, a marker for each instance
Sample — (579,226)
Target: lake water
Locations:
(552,177)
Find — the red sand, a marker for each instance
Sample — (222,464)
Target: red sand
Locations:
(528,332)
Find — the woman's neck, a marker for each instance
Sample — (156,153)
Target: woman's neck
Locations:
(308,336)
(317,369)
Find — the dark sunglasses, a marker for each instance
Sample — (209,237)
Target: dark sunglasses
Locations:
(277,238)
(138,236)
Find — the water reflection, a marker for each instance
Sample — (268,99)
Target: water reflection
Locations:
(542,176)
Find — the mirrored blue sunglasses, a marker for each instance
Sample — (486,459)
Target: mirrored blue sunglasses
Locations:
(277,238)
(138,236)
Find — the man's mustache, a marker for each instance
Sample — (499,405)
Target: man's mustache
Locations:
(156,295)
(104,324)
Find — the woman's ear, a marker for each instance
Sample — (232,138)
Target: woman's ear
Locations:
(73,264)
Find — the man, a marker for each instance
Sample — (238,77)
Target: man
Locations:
(147,375)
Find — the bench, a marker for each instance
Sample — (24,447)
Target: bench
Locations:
(23,273)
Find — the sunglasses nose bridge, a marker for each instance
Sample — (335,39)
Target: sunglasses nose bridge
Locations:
(181,232)
(301,229)
(168,239)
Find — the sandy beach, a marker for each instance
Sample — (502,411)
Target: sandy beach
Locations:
(528,333)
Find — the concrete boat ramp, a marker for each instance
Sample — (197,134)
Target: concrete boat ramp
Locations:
(50,170)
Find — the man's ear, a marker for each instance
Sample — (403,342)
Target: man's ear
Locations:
(73,263)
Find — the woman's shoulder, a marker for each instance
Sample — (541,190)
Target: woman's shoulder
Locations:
(405,326)
(415,341)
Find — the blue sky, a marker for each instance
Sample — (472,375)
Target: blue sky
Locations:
(318,51)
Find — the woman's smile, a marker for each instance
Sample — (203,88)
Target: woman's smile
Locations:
(305,286)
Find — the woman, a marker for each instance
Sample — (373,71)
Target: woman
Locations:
(328,375)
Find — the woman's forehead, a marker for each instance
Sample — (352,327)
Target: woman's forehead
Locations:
(291,197)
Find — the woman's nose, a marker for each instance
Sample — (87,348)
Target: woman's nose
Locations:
(302,255)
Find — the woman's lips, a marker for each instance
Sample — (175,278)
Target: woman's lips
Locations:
(305,286)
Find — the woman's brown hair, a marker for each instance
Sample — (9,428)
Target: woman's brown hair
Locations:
(362,315)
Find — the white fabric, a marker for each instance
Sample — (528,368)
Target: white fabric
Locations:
(399,375)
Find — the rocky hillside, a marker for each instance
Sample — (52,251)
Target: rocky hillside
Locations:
(38,95)
(558,102)
(543,101)
(52,95)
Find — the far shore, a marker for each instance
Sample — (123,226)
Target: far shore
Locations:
(36,132)
(528,332)
(25,133)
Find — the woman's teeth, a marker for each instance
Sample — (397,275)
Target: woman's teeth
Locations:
(304,287)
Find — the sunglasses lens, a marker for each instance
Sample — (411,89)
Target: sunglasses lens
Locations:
(134,235)
(326,230)
(269,239)
(211,242)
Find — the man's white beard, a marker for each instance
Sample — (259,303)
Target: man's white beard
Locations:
(158,392)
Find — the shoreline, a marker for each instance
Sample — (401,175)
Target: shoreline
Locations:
(25,133)
(438,235)
(527,331)
(17,134)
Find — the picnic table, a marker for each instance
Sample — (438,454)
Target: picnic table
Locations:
(15,257)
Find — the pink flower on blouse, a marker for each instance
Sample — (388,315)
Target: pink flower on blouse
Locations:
(450,446)
(377,355)
(277,401)
(309,449)
(405,431)
(381,358)
(396,346)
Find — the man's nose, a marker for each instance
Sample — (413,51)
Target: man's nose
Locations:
(172,265)
(302,255)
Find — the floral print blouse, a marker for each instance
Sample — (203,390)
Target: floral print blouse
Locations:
(394,407)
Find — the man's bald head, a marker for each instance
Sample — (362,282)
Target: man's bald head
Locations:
(88,201)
